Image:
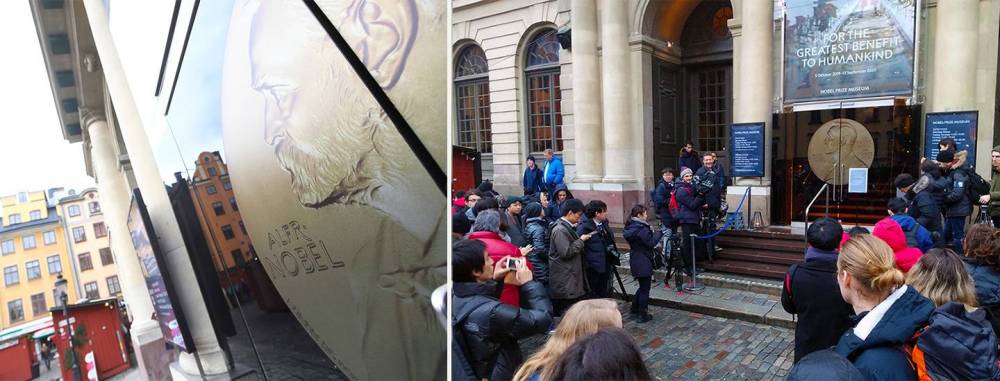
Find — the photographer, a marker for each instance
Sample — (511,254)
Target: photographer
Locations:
(689,216)
(712,186)
(567,281)
(485,331)
(595,249)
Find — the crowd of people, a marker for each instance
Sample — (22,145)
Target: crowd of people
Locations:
(917,295)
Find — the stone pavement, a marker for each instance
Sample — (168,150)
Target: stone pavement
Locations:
(287,351)
(692,346)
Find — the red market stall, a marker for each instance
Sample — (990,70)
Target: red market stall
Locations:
(102,333)
(17,355)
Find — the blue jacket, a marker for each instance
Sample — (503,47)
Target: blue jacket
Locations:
(532,180)
(956,195)
(921,237)
(690,204)
(924,204)
(594,249)
(641,240)
(553,172)
(880,356)
(661,202)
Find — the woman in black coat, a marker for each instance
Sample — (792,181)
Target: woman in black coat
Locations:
(641,240)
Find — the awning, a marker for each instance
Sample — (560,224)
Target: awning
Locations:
(26,328)
(43,333)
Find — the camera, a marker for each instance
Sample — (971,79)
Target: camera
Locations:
(703,185)
(513,263)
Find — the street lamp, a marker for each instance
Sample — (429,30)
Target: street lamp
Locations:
(61,292)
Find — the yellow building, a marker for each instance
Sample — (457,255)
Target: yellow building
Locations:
(89,245)
(33,252)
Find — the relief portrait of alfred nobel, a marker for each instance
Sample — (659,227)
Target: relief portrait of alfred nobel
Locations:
(339,148)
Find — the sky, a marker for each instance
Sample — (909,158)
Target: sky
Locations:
(34,154)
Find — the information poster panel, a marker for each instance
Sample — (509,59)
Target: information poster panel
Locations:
(858,180)
(746,144)
(840,49)
(958,125)
(161,290)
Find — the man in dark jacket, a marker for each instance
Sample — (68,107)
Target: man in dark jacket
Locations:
(712,171)
(993,198)
(688,216)
(566,260)
(595,249)
(515,224)
(810,290)
(958,205)
(921,204)
(536,232)
(661,205)
(531,181)
(485,331)
(689,158)
(461,221)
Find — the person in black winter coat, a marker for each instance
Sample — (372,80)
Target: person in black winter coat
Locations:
(921,204)
(983,264)
(661,197)
(810,291)
(485,331)
(642,242)
(958,205)
(711,170)
(461,221)
(688,216)
(536,233)
(559,196)
(595,249)
(689,158)
(531,181)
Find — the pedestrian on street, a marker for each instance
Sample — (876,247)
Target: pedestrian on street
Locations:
(712,171)
(461,221)
(536,232)
(512,219)
(958,205)
(921,203)
(993,198)
(553,175)
(609,354)
(887,311)
(810,291)
(596,248)
(584,318)
(689,214)
(642,242)
(487,229)
(689,158)
(567,281)
(483,326)
(532,181)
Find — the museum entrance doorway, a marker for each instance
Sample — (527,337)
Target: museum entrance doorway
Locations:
(692,86)
(846,159)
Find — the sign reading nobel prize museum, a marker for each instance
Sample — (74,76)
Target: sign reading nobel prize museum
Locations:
(747,145)
(839,49)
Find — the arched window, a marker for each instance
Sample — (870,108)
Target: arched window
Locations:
(472,100)
(541,75)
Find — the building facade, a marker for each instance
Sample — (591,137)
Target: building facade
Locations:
(618,87)
(33,253)
(219,214)
(90,245)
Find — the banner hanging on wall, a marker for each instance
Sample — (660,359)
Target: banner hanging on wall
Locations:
(841,49)
(958,125)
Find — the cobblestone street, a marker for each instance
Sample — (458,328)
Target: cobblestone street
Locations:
(691,346)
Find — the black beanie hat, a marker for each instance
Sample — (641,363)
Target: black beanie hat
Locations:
(946,156)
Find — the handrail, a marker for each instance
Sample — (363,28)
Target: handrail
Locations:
(810,207)
(728,221)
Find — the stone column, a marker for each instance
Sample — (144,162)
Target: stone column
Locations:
(955,42)
(753,90)
(147,177)
(619,148)
(147,339)
(587,93)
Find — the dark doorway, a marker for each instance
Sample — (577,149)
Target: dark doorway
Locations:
(692,98)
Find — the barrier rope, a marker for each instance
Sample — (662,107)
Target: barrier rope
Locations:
(728,221)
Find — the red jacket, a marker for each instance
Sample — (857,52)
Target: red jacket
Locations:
(890,232)
(497,248)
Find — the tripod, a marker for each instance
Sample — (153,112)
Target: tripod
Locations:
(613,250)
(674,263)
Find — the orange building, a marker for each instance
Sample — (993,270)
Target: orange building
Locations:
(219,215)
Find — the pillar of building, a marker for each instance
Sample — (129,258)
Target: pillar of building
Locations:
(147,339)
(620,151)
(154,194)
(589,137)
(955,43)
(753,93)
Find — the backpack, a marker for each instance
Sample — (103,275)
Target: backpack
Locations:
(674,206)
(978,186)
(955,345)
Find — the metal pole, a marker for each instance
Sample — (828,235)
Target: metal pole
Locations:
(72,347)
(693,286)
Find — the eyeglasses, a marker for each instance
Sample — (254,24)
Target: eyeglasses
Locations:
(474,199)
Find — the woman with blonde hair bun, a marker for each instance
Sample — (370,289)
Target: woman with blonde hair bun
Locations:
(583,318)
(887,311)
